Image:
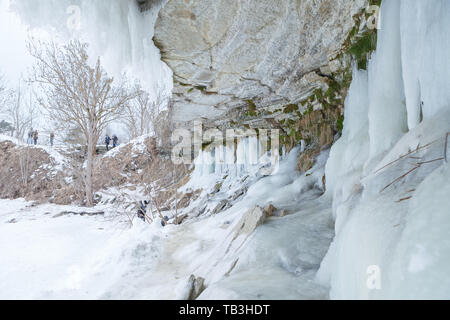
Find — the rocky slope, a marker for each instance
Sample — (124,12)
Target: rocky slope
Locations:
(32,172)
(45,174)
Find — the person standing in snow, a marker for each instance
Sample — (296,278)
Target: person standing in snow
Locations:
(107,142)
(35,137)
(52,138)
(115,141)
(164,221)
(30,136)
(142,210)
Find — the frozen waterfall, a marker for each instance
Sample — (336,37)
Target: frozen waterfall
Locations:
(386,174)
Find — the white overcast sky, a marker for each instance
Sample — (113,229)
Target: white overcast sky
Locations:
(14,59)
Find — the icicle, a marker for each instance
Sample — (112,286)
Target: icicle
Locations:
(387,111)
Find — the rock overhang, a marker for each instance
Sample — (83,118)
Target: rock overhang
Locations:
(224,53)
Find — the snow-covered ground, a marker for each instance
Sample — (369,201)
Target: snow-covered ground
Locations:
(49,256)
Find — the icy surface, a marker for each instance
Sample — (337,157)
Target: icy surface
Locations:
(391,204)
(421,260)
(425,42)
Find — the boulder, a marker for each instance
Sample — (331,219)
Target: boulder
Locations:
(239,193)
(217,187)
(197,288)
(251,220)
(192,289)
(221,206)
(270,210)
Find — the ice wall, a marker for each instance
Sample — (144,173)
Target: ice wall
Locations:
(349,153)
(387,111)
(116,30)
(386,174)
(425,40)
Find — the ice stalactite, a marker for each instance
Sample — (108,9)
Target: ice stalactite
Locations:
(234,160)
(387,112)
(425,41)
(348,155)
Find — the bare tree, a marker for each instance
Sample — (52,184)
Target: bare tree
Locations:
(137,114)
(142,114)
(4,93)
(2,85)
(76,94)
(19,111)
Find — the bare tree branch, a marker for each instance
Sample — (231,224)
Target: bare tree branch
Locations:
(446,146)
(142,114)
(19,111)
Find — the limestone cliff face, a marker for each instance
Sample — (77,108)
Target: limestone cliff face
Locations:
(225,53)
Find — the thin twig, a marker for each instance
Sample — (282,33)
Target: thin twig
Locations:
(404,199)
(445,146)
(399,178)
(418,165)
(409,153)
(430,161)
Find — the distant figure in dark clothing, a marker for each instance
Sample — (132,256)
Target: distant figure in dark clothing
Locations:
(30,136)
(142,209)
(52,138)
(163,223)
(35,137)
(107,142)
(115,141)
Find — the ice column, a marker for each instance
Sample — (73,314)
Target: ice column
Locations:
(387,109)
